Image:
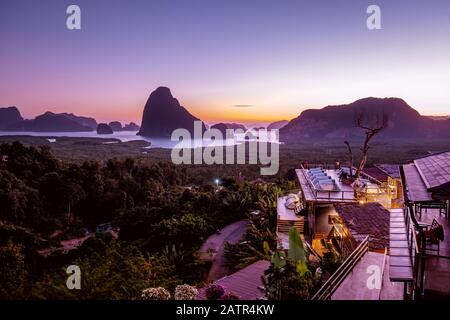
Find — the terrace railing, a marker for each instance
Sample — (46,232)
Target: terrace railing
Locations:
(330,286)
(342,195)
(328,194)
(414,247)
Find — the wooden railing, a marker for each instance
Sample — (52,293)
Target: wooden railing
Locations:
(312,251)
(347,244)
(330,286)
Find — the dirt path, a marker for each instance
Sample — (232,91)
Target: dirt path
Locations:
(213,248)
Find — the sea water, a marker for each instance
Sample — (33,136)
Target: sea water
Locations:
(126,136)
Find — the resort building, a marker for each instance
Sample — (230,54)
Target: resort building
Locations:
(394,218)
(312,208)
(388,176)
(424,225)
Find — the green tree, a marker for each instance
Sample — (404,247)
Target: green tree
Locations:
(13,273)
(289,276)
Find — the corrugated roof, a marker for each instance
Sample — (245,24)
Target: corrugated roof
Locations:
(245,283)
(369,219)
(434,169)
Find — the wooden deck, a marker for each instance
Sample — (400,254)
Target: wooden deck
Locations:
(285,221)
(285,213)
(437,265)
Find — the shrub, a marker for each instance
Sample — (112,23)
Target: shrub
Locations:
(155,294)
(185,292)
(214,292)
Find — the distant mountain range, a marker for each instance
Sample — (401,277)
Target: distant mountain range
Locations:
(277,124)
(339,121)
(438,117)
(9,116)
(222,127)
(12,120)
(163,114)
(116,126)
(52,122)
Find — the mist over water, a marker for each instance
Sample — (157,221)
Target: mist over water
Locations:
(126,136)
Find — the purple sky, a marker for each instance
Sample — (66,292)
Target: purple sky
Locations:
(279,57)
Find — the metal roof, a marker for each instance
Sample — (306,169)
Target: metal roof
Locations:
(434,169)
(245,283)
(416,190)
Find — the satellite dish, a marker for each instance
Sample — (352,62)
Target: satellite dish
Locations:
(292,201)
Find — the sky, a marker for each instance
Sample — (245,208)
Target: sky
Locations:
(233,60)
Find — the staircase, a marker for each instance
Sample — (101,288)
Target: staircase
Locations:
(400,265)
(283,226)
(339,276)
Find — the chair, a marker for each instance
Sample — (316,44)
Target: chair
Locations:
(434,234)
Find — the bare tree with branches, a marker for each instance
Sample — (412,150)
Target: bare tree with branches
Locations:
(369,131)
(350,156)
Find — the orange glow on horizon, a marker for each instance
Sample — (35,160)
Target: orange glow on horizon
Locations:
(131,111)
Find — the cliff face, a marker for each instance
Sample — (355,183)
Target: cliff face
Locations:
(339,121)
(163,114)
(9,116)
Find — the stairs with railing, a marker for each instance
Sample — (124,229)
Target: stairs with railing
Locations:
(333,283)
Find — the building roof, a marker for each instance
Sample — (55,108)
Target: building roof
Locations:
(310,195)
(416,190)
(434,169)
(370,219)
(376,173)
(245,283)
(392,170)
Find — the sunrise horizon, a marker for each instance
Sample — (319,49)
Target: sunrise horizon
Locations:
(134,113)
(292,58)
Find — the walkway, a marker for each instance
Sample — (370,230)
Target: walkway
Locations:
(355,287)
(400,262)
(213,248)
